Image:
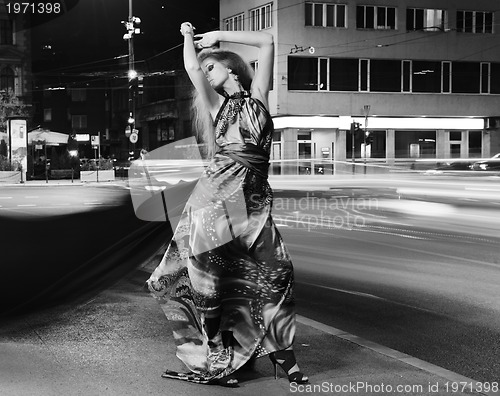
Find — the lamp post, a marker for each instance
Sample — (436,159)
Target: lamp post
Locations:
(132,29)
(366,111)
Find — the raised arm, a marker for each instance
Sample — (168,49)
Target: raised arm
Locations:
(195,72)
(264,41)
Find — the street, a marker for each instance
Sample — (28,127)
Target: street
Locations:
(411,264)
(418,273)
(66,243)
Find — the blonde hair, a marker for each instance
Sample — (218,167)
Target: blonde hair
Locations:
(202,119)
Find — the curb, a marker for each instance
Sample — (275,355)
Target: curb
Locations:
(399,356)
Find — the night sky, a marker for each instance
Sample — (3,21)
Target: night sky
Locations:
(90,33)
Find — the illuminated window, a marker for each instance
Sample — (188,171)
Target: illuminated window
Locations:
(428,20)
(47,115)
(79,121)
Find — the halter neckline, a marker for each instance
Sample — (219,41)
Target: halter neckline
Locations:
(236,95)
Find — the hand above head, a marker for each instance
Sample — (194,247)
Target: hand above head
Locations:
(206,40)
(187,28)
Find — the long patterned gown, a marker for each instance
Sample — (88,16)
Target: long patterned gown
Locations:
(227,259)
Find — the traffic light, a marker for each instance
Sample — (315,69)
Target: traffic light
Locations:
(133,80)
(369,138)
(356,130)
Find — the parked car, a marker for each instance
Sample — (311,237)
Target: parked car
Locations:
(455,165)
(491,164)
(451,165)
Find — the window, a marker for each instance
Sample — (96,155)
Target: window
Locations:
(426,76)
(304,144)
(344,74)
(260,18)
(475,141)
(385,75)
(485,78)
(364,75)
(474,22)
(323,75)
(78,94)
(373,17)
(47,115)
(6,32)
(428,20)
(456,135)
(466,77)
(406,76)
(303,135)
(326,15)
(7,79)
(79,121)
(495,78)
(446,77)
(302,73)
(235,22)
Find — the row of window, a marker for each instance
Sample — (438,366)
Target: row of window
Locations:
(78,121)
(381,17)
(259,18)
(370,17)
(387,75)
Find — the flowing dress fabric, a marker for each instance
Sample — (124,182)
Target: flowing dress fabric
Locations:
(227,261)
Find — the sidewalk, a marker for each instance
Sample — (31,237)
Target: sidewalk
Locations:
(119,343)
(63,182)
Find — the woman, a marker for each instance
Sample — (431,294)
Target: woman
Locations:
(226,279)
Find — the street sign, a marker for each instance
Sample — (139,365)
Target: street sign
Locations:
(94,140)
(82,137)
(133,138)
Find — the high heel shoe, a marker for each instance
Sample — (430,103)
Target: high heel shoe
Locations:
(286,360)
(229,381)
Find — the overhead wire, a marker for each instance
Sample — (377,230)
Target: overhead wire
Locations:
(338,46)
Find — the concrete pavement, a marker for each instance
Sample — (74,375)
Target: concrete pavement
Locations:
(119,343)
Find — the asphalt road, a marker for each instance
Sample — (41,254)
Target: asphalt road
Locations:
(412,266)
(408,274)
(66,243)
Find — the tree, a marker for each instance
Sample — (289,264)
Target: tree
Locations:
(11,106)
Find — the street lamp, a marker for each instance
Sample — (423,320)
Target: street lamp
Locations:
(132,29)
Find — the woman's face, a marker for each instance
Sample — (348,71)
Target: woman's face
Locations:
(215,71)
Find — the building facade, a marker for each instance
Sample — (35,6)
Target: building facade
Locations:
(15,53)
(377,81)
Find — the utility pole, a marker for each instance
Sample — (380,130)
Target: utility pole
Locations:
(132,29)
